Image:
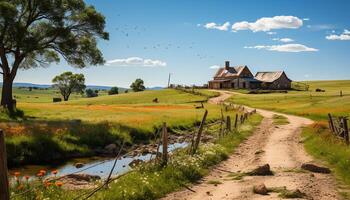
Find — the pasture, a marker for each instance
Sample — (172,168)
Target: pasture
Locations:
(310,104)
(51,131)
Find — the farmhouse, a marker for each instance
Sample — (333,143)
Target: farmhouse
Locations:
(240,77)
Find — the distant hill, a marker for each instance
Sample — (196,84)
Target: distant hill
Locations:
(94,87)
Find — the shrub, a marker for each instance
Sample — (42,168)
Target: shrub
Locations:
(113,90)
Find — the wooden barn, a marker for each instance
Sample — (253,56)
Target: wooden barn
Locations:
(274,80)
(240,77)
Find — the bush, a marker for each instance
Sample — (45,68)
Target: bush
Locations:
(91,93)
(113,90)
(56,99)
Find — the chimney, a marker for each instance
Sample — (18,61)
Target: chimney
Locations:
(227,65)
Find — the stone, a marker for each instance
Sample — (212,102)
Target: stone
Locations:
(79,165)
(111,148)
(83,177)
(314,168)
(260,189)
(263,170)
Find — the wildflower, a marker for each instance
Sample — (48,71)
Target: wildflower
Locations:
(40,174)
(47,184)
(55,172)
(27,177)
(43,172)
(58,183)
(17,174)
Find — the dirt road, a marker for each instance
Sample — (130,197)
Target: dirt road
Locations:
(279,146)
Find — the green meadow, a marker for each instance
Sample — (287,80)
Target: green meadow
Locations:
(310,104)
(56,131)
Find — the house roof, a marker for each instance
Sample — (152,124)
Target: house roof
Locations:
(269,76)
(231,72)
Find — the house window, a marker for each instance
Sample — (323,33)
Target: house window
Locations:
(233,85)
(243,84)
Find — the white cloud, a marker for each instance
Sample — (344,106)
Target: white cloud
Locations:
(283,48)
(271,33)
(223,27)
(269,23)
(285,40)
(214,67)
(136,61)
(306,19)
(344,36)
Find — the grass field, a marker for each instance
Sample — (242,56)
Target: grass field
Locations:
(311,104)
(53,131)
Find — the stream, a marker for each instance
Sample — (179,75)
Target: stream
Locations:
(99,166)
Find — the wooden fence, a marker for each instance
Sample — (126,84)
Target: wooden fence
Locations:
(339,127)
(162,158)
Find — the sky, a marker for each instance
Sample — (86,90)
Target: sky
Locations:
(309,40)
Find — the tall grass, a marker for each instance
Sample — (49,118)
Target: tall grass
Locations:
(150,181)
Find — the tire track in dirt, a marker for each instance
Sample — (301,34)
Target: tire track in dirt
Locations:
(277,145)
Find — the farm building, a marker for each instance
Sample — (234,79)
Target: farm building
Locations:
(274,80)
(240,77)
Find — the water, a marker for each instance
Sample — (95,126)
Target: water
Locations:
(94,166)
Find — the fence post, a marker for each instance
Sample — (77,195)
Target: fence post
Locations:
(341,93)
(4,184)
(165,144)
(228,123)
(331,124)
(241,119)
(346,130)
(199,135)
(236,120)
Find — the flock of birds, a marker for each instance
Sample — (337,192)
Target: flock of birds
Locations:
(128,31)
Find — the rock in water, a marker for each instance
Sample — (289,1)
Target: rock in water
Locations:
(83,177)
(263,170)
(79,165)
(314,168)
(260,189)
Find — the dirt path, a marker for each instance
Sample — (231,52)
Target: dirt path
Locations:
(281,148)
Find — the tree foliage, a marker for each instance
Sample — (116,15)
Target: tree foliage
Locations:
(138,85)
(67,83)
(36,33)
(113,90)
(91,93)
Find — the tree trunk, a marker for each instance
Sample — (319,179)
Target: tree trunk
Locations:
(6,98)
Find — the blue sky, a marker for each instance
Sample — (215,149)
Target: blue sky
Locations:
(310,40)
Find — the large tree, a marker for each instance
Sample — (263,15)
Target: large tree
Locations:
(67,83)
(34,33)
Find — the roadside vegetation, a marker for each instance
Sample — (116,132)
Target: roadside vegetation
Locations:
(152,180)
(322,144)
(332,97)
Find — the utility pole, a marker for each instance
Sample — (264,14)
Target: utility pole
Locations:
(169,80)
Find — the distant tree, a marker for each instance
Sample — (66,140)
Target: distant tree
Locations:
(67,83)
(113,90)
(138,85)
(91,93)
(35,33)
(126,91)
